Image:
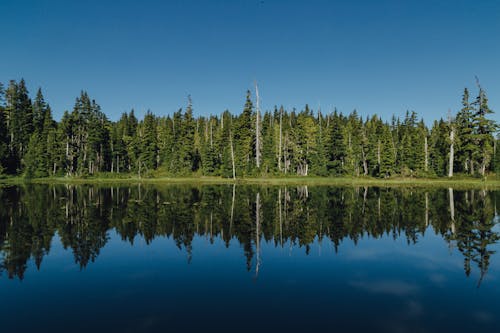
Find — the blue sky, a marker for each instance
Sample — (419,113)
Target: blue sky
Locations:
(381,57)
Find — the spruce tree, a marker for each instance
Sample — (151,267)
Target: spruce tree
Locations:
(484,129)
(465,135)
(337,148)
(388,154)
(243,135)
(148,145)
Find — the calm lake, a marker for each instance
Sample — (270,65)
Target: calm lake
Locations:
(240,258)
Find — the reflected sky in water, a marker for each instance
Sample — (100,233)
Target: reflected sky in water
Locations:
(218,258)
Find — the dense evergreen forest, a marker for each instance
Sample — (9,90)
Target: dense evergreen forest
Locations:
(251,143)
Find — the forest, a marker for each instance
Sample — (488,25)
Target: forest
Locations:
(250,143)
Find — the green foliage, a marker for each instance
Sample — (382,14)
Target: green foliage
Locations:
(296,142)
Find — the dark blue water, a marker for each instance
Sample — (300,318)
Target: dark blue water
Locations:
(218,259)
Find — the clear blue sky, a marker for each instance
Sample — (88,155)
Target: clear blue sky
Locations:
(379,57)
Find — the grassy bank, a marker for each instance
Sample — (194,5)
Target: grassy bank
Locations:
(460,182)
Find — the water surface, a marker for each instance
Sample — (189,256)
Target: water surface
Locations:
(246,258)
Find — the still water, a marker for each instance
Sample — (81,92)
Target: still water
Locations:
(245,258)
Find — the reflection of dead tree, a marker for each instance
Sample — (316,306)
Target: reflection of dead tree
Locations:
(232,211)
(303,192)
(280,218)
(257,233)
(452,210)
(365,194)
(426,209)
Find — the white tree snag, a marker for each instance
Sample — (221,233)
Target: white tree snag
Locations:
(452,148)
(257,128)
(426,151)
(232,154)
(280,142)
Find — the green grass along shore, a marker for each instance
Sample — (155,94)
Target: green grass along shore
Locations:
(457,182)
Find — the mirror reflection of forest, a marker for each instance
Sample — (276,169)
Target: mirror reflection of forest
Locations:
(82,216)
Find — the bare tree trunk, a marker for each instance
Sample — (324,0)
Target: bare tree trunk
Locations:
(365,163)
(452,151)
(257,129)
(232,155)
(426,165)
(279,147)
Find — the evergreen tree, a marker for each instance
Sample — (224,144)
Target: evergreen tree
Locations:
(186,149)
(388,154)
(243,135)
(85,142)
(465,134)
(148,144)
(484,129)
(336,152)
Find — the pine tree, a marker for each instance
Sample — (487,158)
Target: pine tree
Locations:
(388,154)
(148,145)
(465,135)
(186,141)
(244,138)
(39,110)
(19,117)
(337,149)
(484,129)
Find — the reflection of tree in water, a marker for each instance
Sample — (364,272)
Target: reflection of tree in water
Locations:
(86,222)
(287,216)
(472,230)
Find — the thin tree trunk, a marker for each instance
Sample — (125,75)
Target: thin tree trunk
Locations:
(232,155)
(426,165)
(365,163)
(426,209)
(257,129)
(452,209)
(211,134)
(280,219)
(452,151)
(257,233)
(232,211)
(279,147)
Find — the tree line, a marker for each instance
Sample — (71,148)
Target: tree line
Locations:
(252,143)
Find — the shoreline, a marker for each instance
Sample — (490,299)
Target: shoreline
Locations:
(313,181)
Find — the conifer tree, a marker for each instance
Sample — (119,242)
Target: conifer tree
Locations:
(147,161)
(243,136)
(465,135)
(484,129)
(388,154)
(337,148)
